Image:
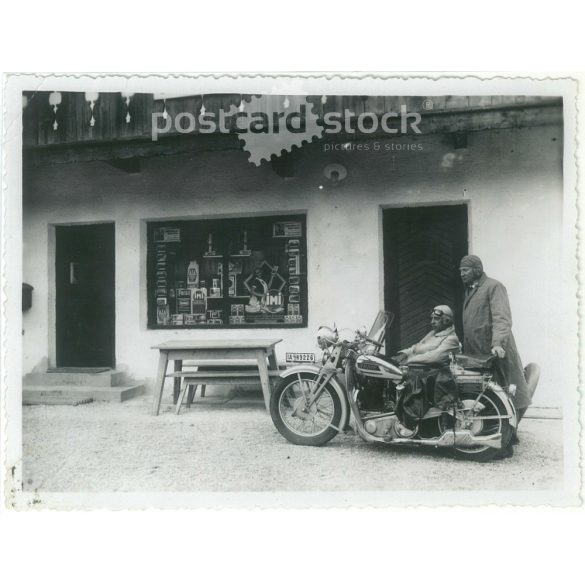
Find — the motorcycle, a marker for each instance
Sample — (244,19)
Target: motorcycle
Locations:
(311,405)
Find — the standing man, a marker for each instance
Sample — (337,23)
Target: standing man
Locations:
(487,328)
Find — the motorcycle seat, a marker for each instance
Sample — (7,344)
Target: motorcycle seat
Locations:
(427,365)
(474,362)
(422,365)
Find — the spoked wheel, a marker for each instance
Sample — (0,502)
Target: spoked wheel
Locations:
(299,421)
(483,418)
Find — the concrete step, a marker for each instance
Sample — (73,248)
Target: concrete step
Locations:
(544,412)
(100,380)
(74,394)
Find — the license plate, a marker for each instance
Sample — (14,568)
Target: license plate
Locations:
(300,357)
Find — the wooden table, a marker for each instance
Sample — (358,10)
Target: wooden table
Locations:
(214,351)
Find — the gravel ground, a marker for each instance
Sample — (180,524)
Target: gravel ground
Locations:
(221,445)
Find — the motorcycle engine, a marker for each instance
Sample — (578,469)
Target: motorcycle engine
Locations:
(376,395)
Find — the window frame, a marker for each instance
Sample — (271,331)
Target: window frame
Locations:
(225,229)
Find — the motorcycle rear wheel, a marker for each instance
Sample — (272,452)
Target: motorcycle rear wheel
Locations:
(301,425)
(492,407)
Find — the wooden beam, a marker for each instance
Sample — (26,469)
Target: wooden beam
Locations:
(432,122)
(132,166)
(126,149)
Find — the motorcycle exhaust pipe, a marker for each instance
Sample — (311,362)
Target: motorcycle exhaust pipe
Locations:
(462,438)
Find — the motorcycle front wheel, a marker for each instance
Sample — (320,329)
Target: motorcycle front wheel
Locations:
(490,420)
(299,422)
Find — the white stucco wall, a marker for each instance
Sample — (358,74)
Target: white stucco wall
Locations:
(512,181)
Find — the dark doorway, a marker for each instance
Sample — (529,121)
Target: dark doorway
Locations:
(85,317)
(422,249)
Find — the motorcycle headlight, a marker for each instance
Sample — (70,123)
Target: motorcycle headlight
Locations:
(326,337)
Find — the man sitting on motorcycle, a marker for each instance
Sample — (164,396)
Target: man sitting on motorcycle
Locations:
(432,383)
(435,347)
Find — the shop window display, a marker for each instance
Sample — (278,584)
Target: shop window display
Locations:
(227,273)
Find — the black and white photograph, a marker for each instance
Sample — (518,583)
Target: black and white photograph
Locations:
(291,291)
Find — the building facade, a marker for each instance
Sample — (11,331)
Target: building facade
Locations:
(129,242)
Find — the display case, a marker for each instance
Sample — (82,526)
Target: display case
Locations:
(234,273)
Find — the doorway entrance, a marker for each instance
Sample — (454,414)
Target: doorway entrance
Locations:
(85,297)
(422,250)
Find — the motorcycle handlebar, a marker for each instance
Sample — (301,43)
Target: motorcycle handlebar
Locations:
(352,343)
(373,341)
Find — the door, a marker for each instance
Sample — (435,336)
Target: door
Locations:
(85,311)
(422,250)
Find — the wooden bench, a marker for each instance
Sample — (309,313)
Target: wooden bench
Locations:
(216,375)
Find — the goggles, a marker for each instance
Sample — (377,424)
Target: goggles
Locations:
(439,313)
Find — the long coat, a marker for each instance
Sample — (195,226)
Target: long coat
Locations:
(433,348)
(487,322)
